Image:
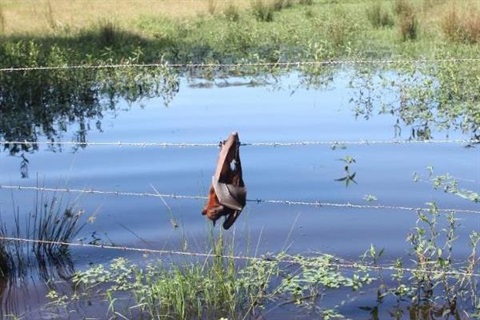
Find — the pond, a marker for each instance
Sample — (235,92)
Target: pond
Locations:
(300,147)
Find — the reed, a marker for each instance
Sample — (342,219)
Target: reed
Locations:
(51,226)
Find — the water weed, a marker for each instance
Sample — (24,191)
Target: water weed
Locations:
(51,224)
(435,279)
(217,286)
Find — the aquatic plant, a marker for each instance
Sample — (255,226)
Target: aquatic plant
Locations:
(40,239)
(436,283)
(434,280)
(47,230)
(217,286)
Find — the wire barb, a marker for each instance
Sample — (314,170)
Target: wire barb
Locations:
(347,205)
(145,144)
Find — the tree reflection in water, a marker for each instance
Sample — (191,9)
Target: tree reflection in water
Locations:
(40,104)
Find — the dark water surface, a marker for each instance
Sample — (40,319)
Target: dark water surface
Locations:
(303,173)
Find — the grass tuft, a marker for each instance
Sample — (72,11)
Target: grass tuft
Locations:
(379,16)
(232,12)
(51,224)
(2,19)
(262,10)
(108,33)
(408,21)
(462,26)
(212,7)
(49,16)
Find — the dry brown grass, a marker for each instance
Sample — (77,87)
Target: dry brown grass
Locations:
(42,16)
(462,25)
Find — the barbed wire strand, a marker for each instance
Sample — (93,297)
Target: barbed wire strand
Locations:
(294,64)
(251,144)
(258,201)
(289,259)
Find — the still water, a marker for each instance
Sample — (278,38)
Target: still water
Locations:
(299,173)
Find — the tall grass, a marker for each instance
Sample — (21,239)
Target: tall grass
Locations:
(47,229)
(462,25)
(262,10)
(408,20)
(379,15)
(49,16)
(212,7)
(2,19)
(232,12)
(215,287)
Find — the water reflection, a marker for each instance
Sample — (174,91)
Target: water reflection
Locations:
(27,277)
(309,166)
(425,98)
(45,105)
(42,104)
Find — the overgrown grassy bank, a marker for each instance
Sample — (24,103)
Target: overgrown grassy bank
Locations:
(210,31)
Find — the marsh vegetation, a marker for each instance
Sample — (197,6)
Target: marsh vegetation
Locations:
(60,69)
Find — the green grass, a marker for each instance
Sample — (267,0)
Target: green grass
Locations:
(215,287)
(50,225)
(264,30)
(224,286)
(216,284)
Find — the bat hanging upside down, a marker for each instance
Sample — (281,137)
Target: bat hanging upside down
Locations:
(228,194)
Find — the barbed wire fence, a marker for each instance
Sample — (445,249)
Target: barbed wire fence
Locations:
(339,263)
(284,65)
(347,205)
(332,143)
(287,65)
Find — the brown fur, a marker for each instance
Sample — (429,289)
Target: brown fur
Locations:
(224,174)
